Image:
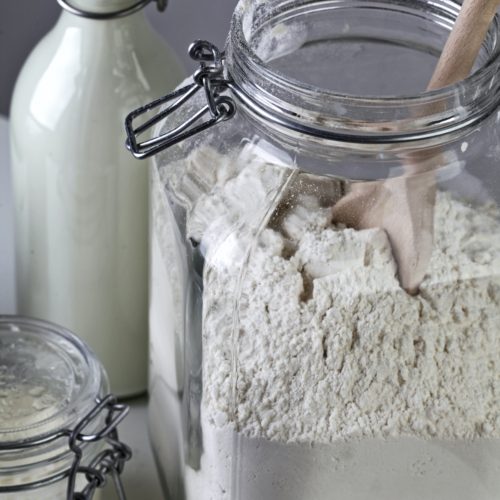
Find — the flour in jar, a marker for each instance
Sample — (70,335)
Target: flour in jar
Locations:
(313,353)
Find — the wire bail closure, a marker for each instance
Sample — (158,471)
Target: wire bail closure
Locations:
(210,77)
(109,462)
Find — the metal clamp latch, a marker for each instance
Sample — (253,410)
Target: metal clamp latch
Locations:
(110,461)
(210,76)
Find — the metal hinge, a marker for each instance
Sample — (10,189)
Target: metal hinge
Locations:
(109,462)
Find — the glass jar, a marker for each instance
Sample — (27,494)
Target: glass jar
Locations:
(288,361)
(58,424)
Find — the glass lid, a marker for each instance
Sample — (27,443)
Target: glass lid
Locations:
(48,379)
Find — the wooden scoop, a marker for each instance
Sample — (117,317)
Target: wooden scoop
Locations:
(404,206)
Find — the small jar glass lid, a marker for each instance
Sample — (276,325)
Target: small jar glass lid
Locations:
(49,379)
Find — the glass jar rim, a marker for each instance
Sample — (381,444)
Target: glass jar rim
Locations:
(272,96)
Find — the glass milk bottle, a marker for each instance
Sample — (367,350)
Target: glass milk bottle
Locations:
(81,201)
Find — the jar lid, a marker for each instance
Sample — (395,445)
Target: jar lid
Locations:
(48,379)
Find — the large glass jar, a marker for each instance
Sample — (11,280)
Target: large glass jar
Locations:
(288,362)
(58,424)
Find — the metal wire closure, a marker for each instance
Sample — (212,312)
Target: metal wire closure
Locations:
(101,16)
(109,462)
(210,77)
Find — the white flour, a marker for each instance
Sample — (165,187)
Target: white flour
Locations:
(333,377)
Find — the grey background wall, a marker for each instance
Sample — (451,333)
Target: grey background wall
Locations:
(24,22)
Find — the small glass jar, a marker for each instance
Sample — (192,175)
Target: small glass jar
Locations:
(58,423)
(288,360)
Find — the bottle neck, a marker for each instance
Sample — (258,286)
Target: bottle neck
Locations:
(100,6)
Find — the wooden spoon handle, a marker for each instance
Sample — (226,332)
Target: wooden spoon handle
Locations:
(464,42)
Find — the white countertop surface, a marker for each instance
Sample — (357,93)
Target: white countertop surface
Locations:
(140,477)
